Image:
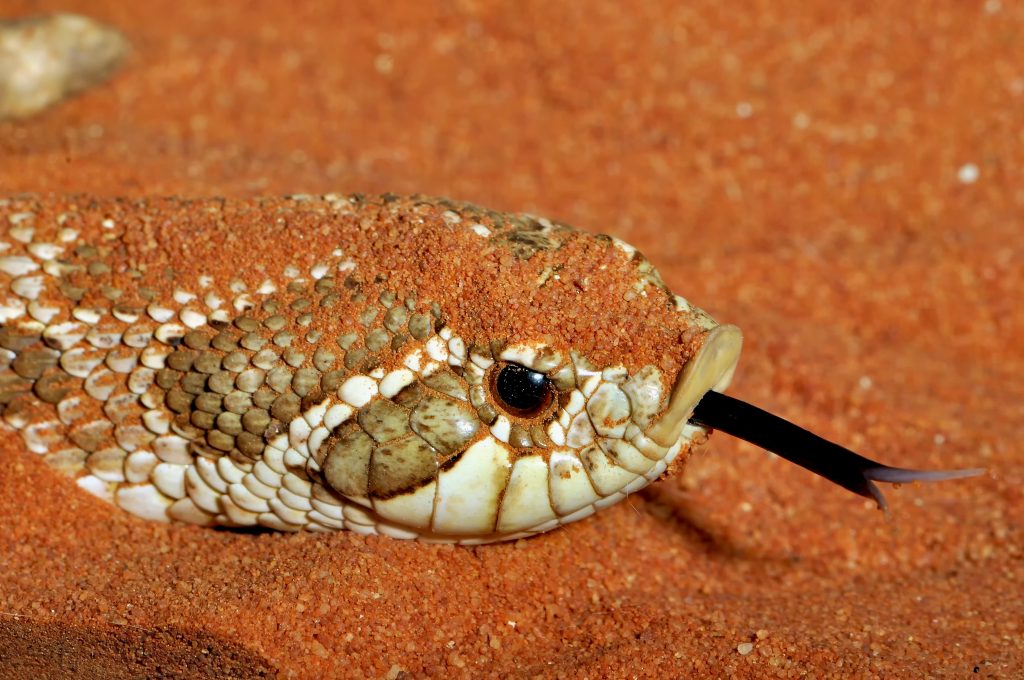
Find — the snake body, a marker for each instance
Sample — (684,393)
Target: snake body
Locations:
(327,363)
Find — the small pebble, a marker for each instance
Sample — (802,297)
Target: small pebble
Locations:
(968,173)
(745,648)
(48,58)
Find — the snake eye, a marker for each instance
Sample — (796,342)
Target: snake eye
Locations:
(522,392)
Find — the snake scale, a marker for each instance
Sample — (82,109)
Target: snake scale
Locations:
(405,366)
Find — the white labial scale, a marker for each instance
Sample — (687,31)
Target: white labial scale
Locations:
(541,528)
(429,368)
(609,410)
(656,471)
(169,333)
(606,477)
(581,431)
(468,493)
(609,501)
(145,501)
(44,251)
(626,455)
(124,315)
(648,447)
(689,432)
(582,513)
(571,489)
(480,364)
(414,509)
(71,409)
(526,502)
(637,484)
(661,465)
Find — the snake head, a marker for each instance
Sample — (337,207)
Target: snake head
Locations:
(557,381)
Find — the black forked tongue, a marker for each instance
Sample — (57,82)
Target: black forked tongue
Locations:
(822,457)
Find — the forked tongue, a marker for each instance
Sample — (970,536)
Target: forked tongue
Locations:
(797,445)
(697,399)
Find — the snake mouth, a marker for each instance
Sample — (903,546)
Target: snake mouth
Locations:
(710,369)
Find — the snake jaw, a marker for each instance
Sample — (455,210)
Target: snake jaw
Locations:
(711,368)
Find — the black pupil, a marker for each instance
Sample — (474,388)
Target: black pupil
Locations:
(522,389)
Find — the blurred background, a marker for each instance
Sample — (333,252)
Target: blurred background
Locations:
(842,180)
(684,127)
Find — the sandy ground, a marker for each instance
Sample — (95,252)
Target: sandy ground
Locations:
(844,184)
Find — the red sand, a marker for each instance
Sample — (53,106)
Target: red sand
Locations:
(796,173)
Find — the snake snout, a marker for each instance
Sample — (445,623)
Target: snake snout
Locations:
(710,369)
